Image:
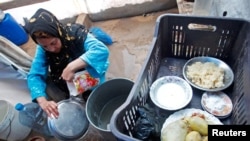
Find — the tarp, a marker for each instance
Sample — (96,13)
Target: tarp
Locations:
(14,66)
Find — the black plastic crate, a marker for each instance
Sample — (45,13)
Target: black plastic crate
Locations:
(178,38)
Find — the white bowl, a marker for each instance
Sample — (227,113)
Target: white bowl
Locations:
(171,93)
(228,73)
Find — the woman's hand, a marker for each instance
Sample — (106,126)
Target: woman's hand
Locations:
(69,71)
(50,107)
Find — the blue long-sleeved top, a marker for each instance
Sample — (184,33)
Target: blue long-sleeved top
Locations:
(96,56)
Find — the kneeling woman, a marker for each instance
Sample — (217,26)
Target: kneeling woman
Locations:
(61,52)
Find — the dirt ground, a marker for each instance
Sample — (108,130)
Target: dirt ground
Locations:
(132,38)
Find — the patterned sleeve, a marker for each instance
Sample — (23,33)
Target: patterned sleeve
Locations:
(37,76)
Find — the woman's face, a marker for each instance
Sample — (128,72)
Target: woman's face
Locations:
(51,44)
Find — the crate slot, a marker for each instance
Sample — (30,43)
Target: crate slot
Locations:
(201,27)
(224,41)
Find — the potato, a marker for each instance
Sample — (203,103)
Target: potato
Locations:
(175,131)
(193,136)
(199,124)
(205,138)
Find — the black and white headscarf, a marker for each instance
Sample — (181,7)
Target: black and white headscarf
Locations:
(72,37)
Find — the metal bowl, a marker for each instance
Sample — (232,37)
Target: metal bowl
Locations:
(72,123)
(171,93)
(228,73)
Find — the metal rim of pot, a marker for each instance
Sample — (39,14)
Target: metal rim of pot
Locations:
(72,123)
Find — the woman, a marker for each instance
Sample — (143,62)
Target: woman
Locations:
(61,52)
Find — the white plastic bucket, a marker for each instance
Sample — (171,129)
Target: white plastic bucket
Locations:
(10,127)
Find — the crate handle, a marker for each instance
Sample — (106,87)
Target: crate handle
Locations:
(201,27)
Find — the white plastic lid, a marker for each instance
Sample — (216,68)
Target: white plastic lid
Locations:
(217,103)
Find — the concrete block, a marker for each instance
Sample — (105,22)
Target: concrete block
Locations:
(84,19)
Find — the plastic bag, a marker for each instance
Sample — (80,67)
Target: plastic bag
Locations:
(147,125)
(101,35)
(82,82)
